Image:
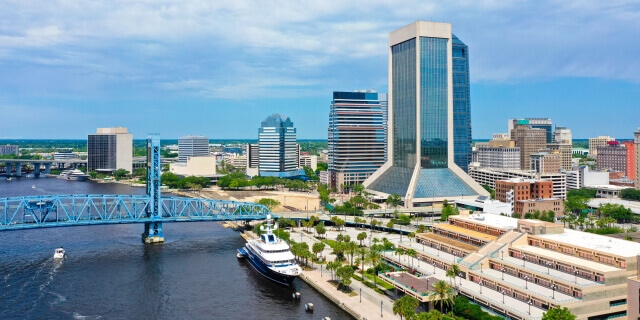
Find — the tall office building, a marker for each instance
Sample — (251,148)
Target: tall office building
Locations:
(563,135)
(529,140)
(499,157)
(637,141)
(535,123)
(595,143)
(110,149)
(192,146)
(421,166)
(357,136)
(616,156)
(277,148)
(462,151)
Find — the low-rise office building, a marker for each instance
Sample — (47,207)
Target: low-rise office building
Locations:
(489,177)
(521,268)
(310,161)
(546,162)
(523,207)
(195,166)
(616,156)
(499,157)
(595,143)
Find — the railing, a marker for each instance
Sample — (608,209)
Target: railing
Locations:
(549,275)
(526,289)
(394,281)
(617,316)
(617,304)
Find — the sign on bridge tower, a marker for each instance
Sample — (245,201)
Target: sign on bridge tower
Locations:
(153,230)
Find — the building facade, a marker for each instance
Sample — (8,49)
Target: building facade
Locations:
(523,189)
(595,143)
(535,123)
(530,140)
(546,162)
(637,145)
(616,156)
(192,146)
(461,104)
(563,135)
(357,136)
(277,147)
(9,149)
(310,161)
(499,157)
(566,154)
(485,176)
(110,149)
(523,207)
(421,166)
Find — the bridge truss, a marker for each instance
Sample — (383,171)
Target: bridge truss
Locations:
(151,209)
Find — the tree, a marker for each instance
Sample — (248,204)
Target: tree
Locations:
(491,191)
(411,236)
(394,200)
(453,272)
(405,306)
(412,253)
(345,273)
(269,203)
(374,257)
(361,236)
(317,248)
(352,248)
(333,266)
(362,252)
(390,224)
(444,292)
(431,315)
(358,189)
(140,172)
(558,313)
(320,229)
(120,173)
(374,223)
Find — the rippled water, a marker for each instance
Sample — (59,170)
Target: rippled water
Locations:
(109,274)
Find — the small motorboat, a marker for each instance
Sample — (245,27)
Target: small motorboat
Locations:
(9,179)
(33,186)
(59,253)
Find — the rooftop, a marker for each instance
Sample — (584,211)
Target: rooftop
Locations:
(455,243)
(572,260)
(471,233)
(494,220)
(623,248)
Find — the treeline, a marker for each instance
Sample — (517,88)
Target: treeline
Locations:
(238,180)
(173,181)
(630,194)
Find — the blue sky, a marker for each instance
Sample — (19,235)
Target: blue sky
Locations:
(219,67)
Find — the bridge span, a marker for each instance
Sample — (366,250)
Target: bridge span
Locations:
(151,209)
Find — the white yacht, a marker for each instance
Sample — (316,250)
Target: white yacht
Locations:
(59,253)
(74,174)
(271,257)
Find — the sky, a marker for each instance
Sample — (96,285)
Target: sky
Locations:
(218,68)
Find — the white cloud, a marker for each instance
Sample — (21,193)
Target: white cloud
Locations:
(165,41)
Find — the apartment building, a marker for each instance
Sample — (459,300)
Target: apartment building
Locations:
(546,162)
(9,149)
(499,157)
(521,268)
(616,156)
(595,143)
(523,189)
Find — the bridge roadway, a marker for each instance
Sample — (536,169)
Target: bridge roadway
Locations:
(37,165)
(75,210)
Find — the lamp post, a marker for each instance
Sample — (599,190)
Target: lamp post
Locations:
(575,271)
(524,261)
(502,255)
(480,285)
(381,309)
(553,289)
(548,267)
(434,267)
(526,282)
(502,274)
(503,293)
(460,275)
(360,295)
(530,303)
(481,268)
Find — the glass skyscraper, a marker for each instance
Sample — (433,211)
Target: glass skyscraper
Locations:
(429,117)
(277,148)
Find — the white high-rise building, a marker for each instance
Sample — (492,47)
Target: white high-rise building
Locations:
(192,146)
(110,149)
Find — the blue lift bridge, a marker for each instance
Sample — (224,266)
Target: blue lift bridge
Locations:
(151,209)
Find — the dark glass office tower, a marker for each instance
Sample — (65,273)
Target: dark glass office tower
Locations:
(429,117)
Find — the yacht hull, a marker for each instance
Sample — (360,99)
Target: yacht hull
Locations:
(266,272)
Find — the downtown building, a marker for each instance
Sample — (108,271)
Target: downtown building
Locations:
(278,152)
(498,154)
(530,140)
(488,177)
(534,123)
(9,149)
(110,149)
(595,143)
(521,268)
(636,136)
(428,118)
(192,146)
(357,137)
(616,156)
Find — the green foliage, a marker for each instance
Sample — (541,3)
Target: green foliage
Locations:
(448,211)
(322,166)
(630,194)
(140,172)
(321,229)
(234,180)
(269,203)
(286,223)
(172,181)
(310,174)
(318,247)
(548,216)
(617,211)
(605,230)
(444,294)
(394,200)
(21,156)
(491,191)
(558,313)
(581,193)
(405,306)
(463,308)
(345,273)
(120,173)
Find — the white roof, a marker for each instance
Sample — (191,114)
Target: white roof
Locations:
(494,220)
(596,242)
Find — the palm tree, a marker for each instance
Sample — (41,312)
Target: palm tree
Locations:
(399,252)
(362,252)
(332,266)
(432,315)
(444,292)
(374,257)
(453,272)
(352,248)
(405,306)
(411,235)
(412,253)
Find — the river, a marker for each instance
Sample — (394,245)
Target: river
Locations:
(109,274)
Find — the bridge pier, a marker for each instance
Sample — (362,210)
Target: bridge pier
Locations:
(36,168)
(152,233)
(8,168)
(47,168)
(18,169)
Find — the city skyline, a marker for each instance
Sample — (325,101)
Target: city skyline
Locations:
(68,70)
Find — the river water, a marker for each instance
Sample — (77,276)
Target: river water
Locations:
(109,274)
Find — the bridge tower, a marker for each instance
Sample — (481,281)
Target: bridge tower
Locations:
(153,229)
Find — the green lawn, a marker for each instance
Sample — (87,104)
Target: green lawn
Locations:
(380,283)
